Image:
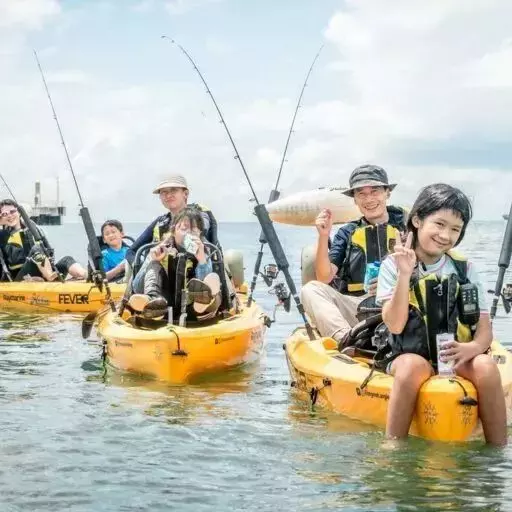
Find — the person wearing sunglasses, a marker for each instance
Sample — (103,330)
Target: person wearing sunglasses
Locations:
(24,257)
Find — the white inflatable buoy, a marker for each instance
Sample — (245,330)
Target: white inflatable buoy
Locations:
(234,261)
(307,264)
(301,209)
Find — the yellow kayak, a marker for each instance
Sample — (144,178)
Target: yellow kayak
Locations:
(446,410)
(178,354)
(69,296)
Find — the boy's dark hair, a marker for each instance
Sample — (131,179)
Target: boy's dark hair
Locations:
(441,196)
(112,222)
(8,202)
(193,215)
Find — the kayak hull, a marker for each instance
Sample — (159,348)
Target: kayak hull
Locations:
(446,409)
(179,354)
(55,297)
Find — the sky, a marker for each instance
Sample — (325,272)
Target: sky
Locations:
(423,89)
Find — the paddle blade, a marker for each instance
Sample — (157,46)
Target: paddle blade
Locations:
(87,324)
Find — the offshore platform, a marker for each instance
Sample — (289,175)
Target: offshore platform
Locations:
(46,215)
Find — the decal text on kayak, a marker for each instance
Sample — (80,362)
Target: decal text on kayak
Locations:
(14,298)
(73,298)
(365,392)
(39,301)
(225,338)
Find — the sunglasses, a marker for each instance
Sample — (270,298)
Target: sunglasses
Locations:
(10,212)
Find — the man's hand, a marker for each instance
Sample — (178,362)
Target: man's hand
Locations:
(372,286)
(323,222)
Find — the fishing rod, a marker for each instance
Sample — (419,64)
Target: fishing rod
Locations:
(37,234)
(274,193)
(94,251)
(8,188)
(503,264)
(260,210)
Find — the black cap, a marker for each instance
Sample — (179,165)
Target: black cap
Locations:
(368,176)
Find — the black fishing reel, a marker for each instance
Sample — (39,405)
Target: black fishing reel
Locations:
(270,273)
(283,296)
(506,297)
(284,299)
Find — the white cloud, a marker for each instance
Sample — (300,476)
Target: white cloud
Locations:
(30,14)
(217,46)
(177,7)
(409,76)
(493,70)
(68,76)
(407,88)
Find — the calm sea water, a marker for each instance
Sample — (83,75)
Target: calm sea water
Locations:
(77,438)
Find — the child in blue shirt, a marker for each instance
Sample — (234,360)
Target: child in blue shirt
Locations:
(114,255)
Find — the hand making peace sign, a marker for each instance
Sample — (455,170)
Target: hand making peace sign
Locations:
(404,255)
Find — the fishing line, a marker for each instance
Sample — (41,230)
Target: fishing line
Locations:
(260,209)
(274,193)
(94,253)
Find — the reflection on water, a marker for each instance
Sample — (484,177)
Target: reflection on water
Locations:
(203,399)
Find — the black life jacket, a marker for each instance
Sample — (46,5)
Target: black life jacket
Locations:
(433,309)
(367,244)
(16,248)
(162,227)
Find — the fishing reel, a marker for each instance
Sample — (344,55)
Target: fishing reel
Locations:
(283,299)
(270,273)
(506,297)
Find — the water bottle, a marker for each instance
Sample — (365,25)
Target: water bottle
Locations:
(189,244)
(372,272)
(444,369)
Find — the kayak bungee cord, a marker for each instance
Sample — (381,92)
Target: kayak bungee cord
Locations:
(274,193)
(503,264)
(37,234)
(94,253)
(260,209)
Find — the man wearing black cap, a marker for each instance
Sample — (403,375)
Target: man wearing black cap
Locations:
(332,300)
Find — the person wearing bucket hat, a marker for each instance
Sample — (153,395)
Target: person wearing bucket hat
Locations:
(332,300)
(173,192)
(368,176)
